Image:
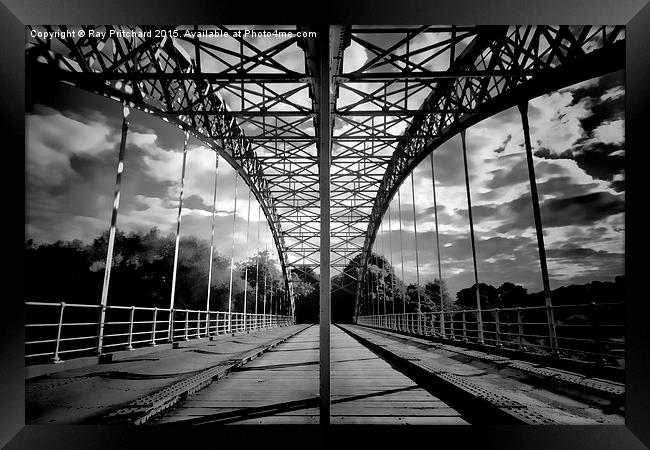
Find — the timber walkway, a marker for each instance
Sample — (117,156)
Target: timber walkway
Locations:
(282,386)
(272,377)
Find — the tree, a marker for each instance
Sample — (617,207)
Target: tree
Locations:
(511,295)
(466,298)
(432,293)
(264,274)
(306,289)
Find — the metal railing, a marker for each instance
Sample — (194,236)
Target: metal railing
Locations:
(53,330)
(592,332)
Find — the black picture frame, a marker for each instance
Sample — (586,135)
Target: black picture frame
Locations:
(635,14)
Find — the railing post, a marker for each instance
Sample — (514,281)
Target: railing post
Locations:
(433,324)
(452,326)
(55,358)
(153,328)
(464,327)
(496,325)
(520,330)
(170,328)
(187,323)
(130,346)
(207,323)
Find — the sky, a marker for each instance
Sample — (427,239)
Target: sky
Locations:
(72,141)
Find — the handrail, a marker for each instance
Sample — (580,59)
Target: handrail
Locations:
(594,332)
(54,329)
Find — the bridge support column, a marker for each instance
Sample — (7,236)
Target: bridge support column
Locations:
(523,110)
(178,236)
(324,162)
(214,208)
(479,317)
(111,234)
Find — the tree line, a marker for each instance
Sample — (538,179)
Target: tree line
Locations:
(382,282)
(73,272)
(141,275)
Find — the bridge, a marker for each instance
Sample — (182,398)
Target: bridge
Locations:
(326,144)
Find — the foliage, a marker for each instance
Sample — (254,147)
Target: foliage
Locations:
(141,273)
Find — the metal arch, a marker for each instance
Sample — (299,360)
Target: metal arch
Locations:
(158,76)
(457,103)
(488,69)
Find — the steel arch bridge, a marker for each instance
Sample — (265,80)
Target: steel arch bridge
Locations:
(282,111)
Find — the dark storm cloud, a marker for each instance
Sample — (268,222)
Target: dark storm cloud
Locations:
(562,184)
(585,209)
(596,88)
(581,210)
(590,264)
(578,253)
(515,214)
(595,158)
(196,202)
(605,100)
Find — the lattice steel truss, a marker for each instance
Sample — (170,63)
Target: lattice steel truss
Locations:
(396,94)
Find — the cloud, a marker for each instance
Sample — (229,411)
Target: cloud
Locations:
(610,132)
(53,139)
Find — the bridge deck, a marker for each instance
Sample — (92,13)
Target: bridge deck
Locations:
(66,393)
(243,379)
(538,395)
(282,386)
